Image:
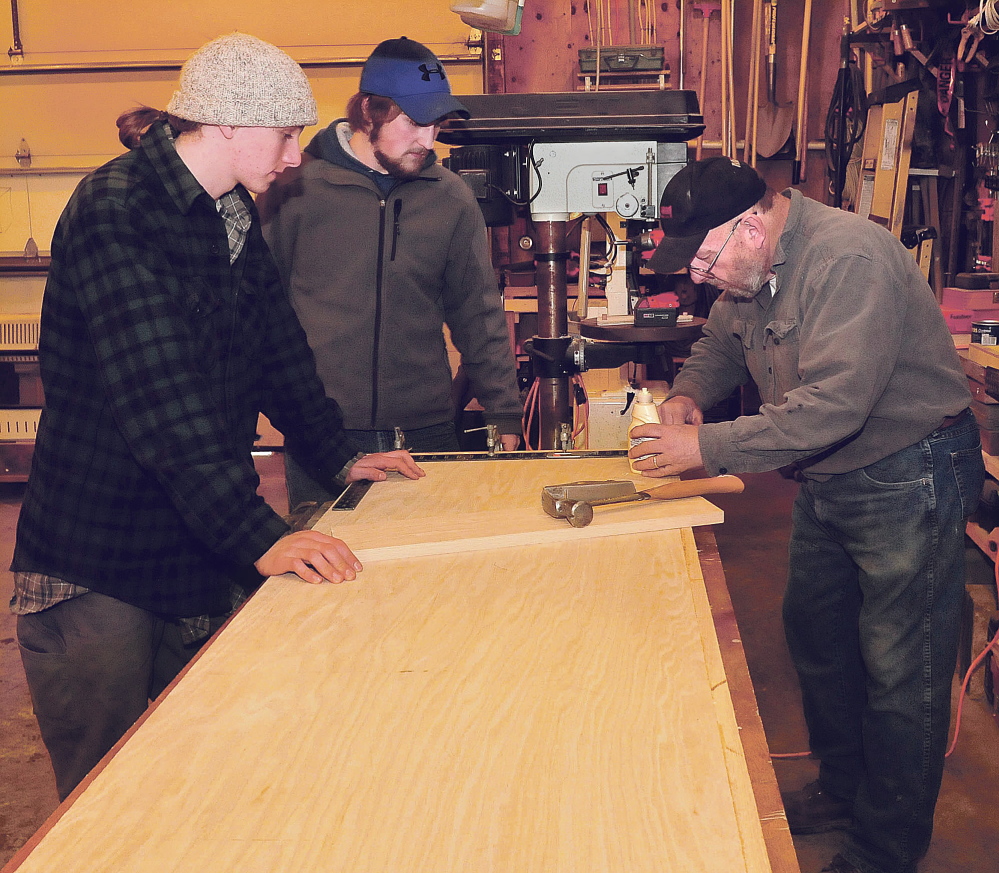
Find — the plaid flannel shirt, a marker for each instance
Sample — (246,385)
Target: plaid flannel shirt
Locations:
(156,356)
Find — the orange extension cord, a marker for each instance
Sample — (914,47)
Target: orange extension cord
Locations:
(974,666)
(580,411)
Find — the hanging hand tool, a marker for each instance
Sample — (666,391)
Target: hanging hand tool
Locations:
(707,9)
(799,166)
(845,120)
(30,247)
(575,501)
(775,120)
(753,88)
(728,79)
(681,73)
(972,34)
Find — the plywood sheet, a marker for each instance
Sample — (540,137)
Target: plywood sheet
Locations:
(558,708)
(473,505)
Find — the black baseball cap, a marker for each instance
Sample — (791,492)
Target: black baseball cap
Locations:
(411,75)
(701,196)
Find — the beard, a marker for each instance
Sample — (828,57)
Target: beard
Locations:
(746,278)
(406,166)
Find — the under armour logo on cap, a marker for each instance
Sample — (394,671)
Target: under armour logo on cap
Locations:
(436,70)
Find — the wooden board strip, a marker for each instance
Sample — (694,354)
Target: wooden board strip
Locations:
(446,534)
(475,505)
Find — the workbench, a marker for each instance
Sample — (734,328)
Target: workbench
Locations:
(497,691)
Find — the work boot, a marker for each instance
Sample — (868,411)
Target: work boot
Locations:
(839,864)
(812,810)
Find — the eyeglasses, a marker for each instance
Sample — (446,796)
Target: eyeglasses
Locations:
(707,273)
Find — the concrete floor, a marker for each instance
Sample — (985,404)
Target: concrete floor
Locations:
(752,543)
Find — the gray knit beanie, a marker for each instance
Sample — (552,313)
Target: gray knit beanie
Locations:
(242,81)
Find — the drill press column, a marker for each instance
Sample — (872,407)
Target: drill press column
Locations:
(552,341)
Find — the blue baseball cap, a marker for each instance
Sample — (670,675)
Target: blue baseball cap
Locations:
(410,74)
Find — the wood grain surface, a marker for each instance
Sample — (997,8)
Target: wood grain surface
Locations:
(558,707)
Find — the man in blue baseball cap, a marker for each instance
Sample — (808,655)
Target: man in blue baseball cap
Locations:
(380,247)
(410,74)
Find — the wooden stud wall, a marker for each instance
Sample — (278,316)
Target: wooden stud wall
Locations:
(544,58)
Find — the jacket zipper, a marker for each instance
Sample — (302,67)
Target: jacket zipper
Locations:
(396,229)
(378,315)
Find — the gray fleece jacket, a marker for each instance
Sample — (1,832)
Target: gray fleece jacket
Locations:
(851,356)
(374,277)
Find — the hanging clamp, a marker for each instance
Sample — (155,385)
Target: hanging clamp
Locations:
(973,34)
(493,443)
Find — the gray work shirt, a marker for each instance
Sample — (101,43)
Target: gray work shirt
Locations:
(852,357)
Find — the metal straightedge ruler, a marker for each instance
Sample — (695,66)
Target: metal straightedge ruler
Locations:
(519,456)
(351,495)
(305,516)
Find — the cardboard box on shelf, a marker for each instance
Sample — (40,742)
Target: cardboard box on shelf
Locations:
(986,356)
(958,320)
(964,298)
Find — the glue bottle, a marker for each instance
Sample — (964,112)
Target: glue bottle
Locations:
(643,411)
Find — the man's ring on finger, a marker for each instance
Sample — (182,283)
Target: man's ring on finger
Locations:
(655,461)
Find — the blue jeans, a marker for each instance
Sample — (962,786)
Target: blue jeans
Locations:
(435,438)
(872,612)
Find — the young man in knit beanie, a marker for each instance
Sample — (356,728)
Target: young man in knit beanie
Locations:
(165,332)
(380,247)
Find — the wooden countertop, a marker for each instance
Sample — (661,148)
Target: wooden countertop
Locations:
(523,705)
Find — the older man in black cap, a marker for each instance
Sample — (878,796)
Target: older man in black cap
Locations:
(865,401)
